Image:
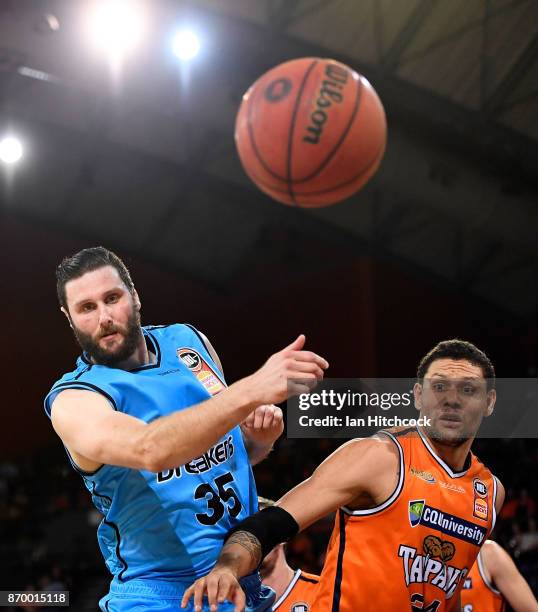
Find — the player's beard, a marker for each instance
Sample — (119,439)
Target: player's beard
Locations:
(436,435)
(452,441)
(101,356)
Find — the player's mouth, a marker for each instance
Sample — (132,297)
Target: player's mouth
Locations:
(110,336)
(450,419)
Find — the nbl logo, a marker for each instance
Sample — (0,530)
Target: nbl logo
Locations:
(480,488)
(190,358)
(299,607)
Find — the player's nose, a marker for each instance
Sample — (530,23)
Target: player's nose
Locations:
(452,398)
(105,315)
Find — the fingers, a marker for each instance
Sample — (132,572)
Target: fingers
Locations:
(272,418)
(239,600)
(297,344)
(309,356)
(303,386)
(309,367)
(264,417)
(217,588)
(212,593)
(294,350)
(186,596)
(199,590)
(259,414)
(249,421)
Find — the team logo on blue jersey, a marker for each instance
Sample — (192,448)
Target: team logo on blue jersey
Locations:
(190,358)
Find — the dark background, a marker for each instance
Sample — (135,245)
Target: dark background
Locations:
(440,244)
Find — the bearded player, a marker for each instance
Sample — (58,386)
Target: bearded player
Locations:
(150,425)
(414,506)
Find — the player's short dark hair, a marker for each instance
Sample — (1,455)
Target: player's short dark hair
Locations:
(88,260)
(459,350)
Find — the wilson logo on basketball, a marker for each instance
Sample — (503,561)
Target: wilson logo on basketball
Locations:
(328,94)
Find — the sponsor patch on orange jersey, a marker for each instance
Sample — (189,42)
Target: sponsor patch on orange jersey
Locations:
(423,475)
(420,513)
(480,509)
(449,486)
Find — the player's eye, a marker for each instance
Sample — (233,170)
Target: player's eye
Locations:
(438,386)
(87,307)
(468,389)
(112,298)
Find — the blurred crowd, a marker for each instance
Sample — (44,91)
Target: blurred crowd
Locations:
(47,526)
(48,523)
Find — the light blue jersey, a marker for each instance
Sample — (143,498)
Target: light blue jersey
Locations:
(168,526)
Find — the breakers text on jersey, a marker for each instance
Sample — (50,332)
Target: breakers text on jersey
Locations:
(216,455)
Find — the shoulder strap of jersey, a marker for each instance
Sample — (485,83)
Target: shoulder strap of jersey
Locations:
(399,485)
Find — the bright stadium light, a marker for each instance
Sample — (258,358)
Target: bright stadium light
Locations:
(186,45)
(10,150)
(117,26)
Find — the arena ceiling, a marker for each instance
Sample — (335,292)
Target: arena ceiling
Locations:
(144,160)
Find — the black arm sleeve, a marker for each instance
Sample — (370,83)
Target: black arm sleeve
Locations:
(271,526)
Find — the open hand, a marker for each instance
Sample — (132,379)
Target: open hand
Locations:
(218,585)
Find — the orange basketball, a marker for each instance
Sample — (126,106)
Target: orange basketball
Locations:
(310,132)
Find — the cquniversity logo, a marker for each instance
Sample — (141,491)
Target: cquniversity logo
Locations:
(416,508)
(433,518)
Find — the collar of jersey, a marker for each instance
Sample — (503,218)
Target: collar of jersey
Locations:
(153,346)
(288,589)
(445,466)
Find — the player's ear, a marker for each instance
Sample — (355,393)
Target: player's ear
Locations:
(417,392)
(136,300)
(491,399)
(68,317)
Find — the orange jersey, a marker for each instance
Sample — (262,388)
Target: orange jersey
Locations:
(299,594)
(414,551)
(479,594)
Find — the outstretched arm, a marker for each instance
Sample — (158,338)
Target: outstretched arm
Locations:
(507,579)
(262,427)
(89,427)
(361,472)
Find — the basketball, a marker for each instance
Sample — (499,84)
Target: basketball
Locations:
(310,132)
